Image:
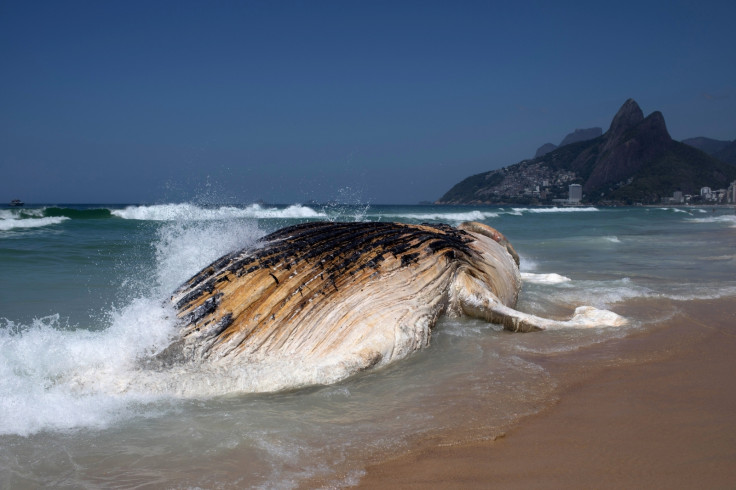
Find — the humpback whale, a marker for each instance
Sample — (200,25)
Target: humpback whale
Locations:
(361,294)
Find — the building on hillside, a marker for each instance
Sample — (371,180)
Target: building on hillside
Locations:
(677,197)
(575,193)
(706,193)
(731,194)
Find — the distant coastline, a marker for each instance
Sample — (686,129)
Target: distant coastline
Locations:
(634,162)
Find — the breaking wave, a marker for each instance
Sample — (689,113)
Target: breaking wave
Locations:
(557,210)
(676,210)
(446,216)
(191,212)
(728,219)
(33,218)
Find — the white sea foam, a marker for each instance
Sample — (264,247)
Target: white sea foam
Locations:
(612,239)
(688,293)
(465,327)
(603,294)
(191,212)
(252,375)
(52,377)
(551,278)
(442,216)
(556,210)
(183,248)
(56,376)
(527,264)
(728,219)
(21,213)
(336,212)
(676,210)
(7,224)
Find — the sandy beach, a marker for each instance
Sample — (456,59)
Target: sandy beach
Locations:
(661,416)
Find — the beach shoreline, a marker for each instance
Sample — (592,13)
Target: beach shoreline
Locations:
(629,406)
(663,417)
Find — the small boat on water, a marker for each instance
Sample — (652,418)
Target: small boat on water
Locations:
(16,202)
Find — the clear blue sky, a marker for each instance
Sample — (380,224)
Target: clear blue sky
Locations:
(382,102)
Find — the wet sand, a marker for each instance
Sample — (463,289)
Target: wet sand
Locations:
(658,412)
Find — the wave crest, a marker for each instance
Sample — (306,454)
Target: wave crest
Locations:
(729,219)
(191,212)
(21,223)
(444,216)
(556,210)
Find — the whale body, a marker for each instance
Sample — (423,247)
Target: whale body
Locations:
(360,294)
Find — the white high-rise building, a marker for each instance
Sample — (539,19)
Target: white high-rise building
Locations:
(575,193)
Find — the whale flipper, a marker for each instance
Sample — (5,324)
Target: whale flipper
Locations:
(475,299)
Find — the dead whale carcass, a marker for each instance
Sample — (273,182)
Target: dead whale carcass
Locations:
(363,293)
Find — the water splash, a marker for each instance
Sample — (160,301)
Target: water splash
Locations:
(348,206)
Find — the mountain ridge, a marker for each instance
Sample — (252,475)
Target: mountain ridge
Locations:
(727,154)
(574,137)
(724,151)
(635,160)
(708,145)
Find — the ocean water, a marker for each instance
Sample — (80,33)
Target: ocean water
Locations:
(83,293)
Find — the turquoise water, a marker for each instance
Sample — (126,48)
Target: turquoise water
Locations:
(82,299)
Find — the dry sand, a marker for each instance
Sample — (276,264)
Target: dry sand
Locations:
(662,417)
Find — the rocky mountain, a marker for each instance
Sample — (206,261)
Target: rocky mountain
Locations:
(574,137)
(724,151)
(636,160)
(581,135)
(727,154)
(544,149)
(708,145)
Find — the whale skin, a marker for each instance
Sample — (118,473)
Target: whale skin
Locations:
(363,294)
